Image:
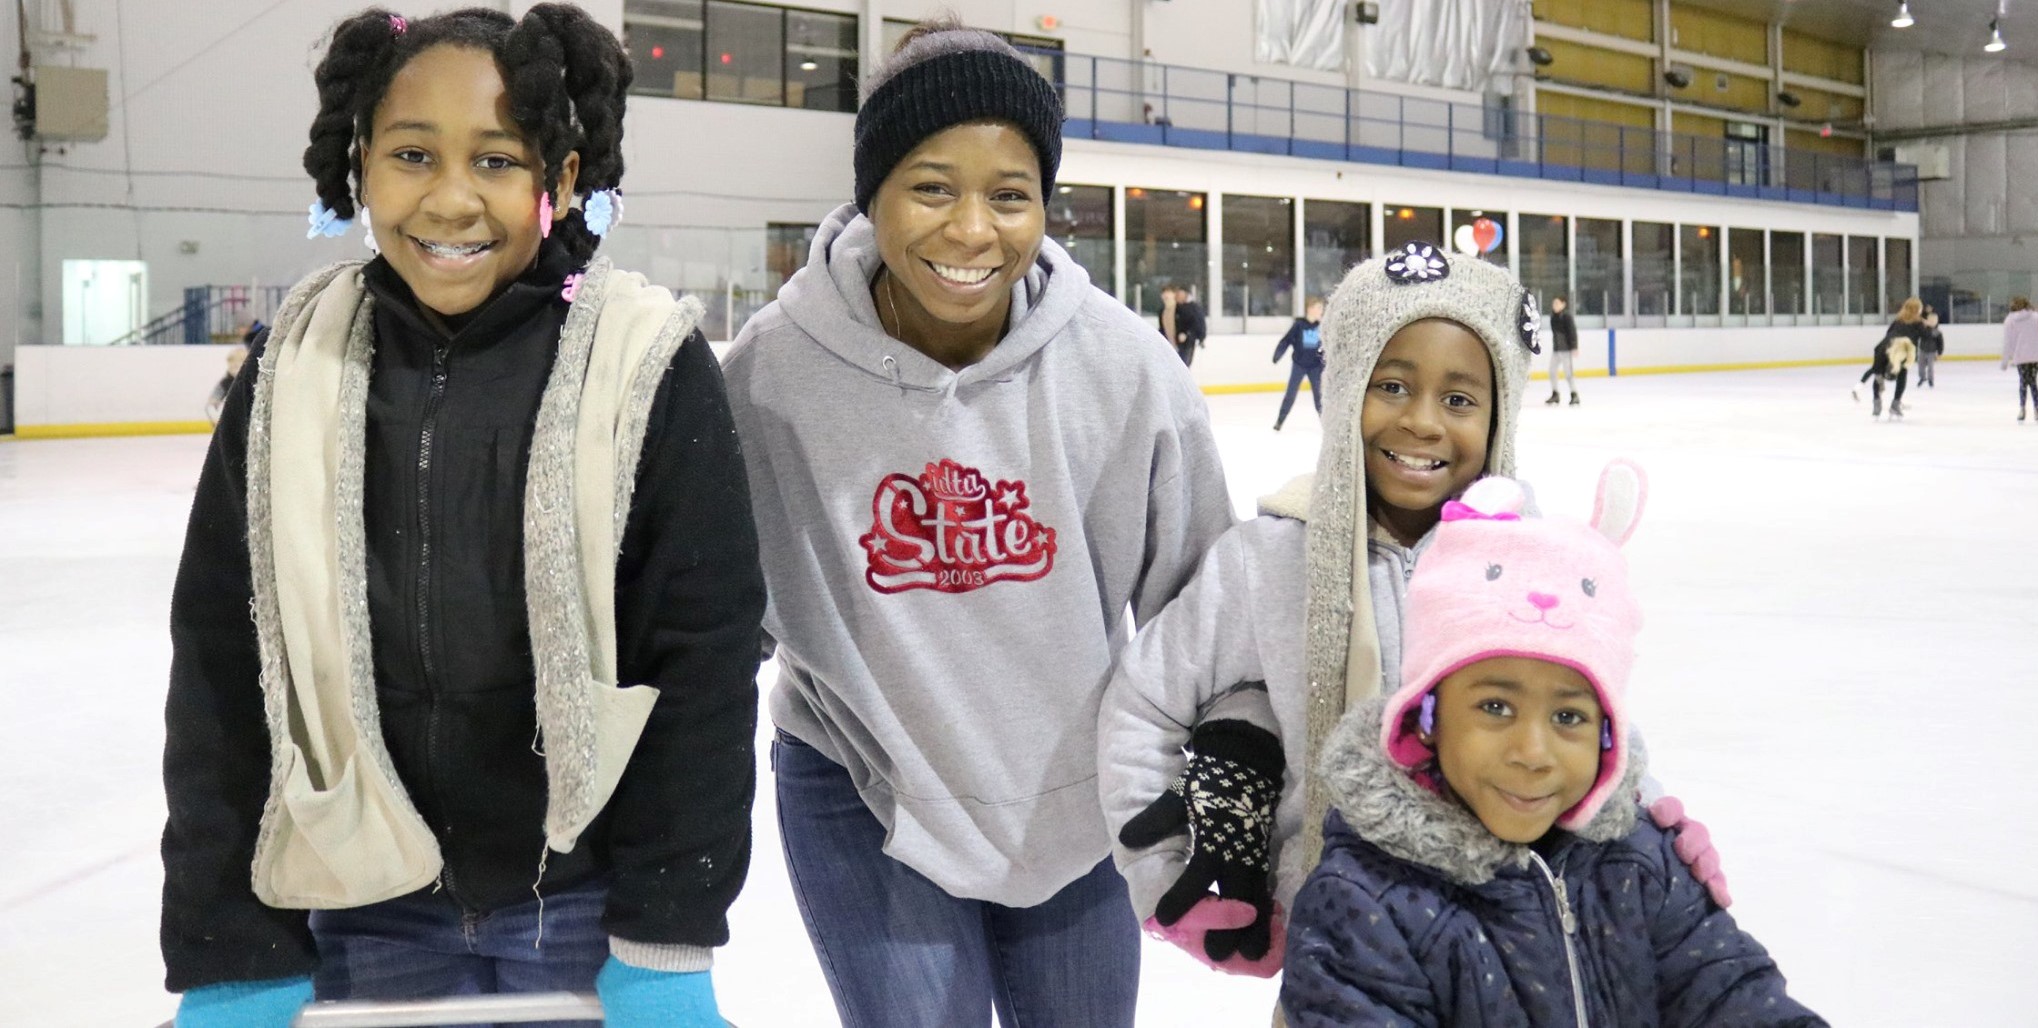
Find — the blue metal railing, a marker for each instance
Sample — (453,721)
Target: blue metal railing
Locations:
(1141,102)
(209,314)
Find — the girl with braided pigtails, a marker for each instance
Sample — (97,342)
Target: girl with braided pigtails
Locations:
(489,728)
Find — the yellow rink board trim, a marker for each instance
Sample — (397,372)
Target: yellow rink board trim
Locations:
(105,429)
(128,428)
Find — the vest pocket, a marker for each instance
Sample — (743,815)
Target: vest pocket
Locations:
(614,717)
(353,843)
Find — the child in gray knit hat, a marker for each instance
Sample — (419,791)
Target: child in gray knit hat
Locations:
(1252,666)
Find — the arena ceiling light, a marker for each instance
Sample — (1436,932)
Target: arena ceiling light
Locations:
(1903,18)
(1995,38)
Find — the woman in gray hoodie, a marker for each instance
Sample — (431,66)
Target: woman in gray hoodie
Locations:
(968,464)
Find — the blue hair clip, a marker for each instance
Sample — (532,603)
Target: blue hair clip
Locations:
(1427,720)
(603,209)
(326,222)
(1606,734)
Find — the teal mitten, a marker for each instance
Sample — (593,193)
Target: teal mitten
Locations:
(637,997)
(265,1004)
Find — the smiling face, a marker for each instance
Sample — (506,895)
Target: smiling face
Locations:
(1425,422)
(1518,741)
(958,221)
(451,183)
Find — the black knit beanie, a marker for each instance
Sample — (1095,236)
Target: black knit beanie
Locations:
(950,89)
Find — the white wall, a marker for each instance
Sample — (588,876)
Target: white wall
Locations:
(67,386)
(56,386)
(19,295)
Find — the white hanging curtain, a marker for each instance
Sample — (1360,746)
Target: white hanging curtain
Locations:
(1306,33)
(1456,44)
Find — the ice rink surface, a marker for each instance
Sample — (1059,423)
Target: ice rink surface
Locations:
(1839,674)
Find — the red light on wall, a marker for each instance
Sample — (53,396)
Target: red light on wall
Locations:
(726,58)
(657,53)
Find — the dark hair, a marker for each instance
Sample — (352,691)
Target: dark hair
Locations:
(567,78)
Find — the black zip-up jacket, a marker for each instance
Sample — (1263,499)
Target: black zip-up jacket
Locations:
(449,430)
(1563,332)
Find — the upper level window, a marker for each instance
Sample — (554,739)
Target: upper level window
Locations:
(742,53)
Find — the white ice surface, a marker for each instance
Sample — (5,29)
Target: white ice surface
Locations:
(1837,675)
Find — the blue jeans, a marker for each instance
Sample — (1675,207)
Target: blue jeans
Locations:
(424,946)
(1296,373)
(898,952)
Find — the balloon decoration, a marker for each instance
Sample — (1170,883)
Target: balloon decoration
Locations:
(1481,235)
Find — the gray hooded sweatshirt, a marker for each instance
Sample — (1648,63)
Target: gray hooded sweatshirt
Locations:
(951,555)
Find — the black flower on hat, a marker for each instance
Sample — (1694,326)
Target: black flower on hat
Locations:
(1531,321)
(1416,263)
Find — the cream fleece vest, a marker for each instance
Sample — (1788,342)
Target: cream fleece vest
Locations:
(338,829)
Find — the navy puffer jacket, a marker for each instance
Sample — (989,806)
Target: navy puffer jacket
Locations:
(1419,916)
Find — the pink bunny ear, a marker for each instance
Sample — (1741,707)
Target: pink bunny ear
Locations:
(1623,491)
(1493,497)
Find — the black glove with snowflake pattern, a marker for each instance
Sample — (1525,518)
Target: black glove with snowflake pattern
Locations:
(1225,800)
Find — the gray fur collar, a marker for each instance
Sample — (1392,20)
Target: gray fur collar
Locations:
(1388,808)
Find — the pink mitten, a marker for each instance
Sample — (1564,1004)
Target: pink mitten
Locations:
(1694,847)
(1214,914)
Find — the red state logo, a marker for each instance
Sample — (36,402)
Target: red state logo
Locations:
(952,531)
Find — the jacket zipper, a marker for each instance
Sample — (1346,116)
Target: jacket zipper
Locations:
(424,587)
(424,582)
(1570,923)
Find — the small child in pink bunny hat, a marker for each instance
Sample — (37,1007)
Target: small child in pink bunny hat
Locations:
(1218,711)
(1485,861)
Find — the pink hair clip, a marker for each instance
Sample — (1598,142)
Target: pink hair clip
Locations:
(544,215)
(397,24)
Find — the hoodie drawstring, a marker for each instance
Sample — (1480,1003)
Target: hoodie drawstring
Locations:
(892,367)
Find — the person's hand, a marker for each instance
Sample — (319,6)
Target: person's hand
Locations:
(272,1003)
(1225,801)
(1214,915)
(638,997)
(1694,847)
